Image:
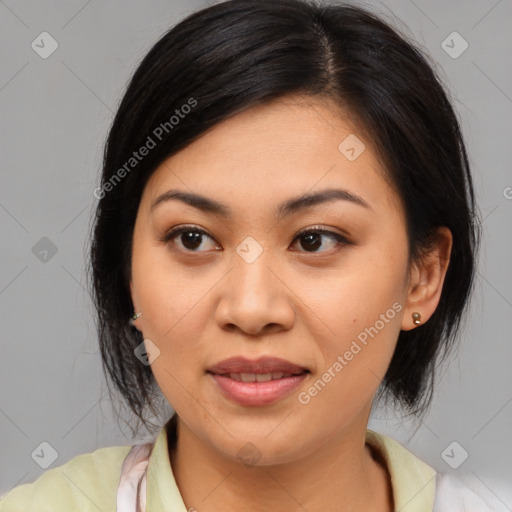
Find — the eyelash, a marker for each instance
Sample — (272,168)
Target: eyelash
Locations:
(340,239)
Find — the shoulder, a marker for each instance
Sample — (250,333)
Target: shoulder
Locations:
(465,492)
(87,482)
(419,487)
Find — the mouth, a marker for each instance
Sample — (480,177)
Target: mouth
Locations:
(266,368)
(257,382)
(258,377)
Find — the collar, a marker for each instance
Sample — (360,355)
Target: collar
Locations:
(162,490)
(412,480)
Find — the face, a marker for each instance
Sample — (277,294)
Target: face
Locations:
(247,281)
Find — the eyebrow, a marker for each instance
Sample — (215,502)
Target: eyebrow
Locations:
(285,209)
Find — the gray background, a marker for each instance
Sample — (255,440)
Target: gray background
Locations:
(55,113)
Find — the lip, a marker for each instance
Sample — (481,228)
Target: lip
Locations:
(257,393)
(264,364)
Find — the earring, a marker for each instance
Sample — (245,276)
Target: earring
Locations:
(416,318)
(134,317)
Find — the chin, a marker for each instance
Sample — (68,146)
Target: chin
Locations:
(260,443)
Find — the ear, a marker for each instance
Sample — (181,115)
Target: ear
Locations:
(426,279)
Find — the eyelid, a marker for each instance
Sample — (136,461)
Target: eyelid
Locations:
(323,230)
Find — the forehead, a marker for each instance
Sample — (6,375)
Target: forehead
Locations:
(270,152)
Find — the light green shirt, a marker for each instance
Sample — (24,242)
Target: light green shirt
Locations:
(89,482)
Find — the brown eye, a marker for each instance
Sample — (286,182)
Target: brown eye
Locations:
(312,239)
(190,238)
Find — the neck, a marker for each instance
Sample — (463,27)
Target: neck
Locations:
(342,472)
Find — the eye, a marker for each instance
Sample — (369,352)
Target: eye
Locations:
(312,239)
(189,237)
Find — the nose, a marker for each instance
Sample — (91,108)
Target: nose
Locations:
(255,298)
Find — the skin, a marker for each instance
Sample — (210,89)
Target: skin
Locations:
(305,304)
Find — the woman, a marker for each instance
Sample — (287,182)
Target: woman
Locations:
(285,232)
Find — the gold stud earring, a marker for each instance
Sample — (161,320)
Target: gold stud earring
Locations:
(416,318)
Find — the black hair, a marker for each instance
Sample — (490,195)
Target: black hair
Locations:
(236,54)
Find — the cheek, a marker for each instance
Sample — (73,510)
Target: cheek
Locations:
(354,296)
(172,303)
(362,307)
(178,329)
(353,361)
(166,292)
